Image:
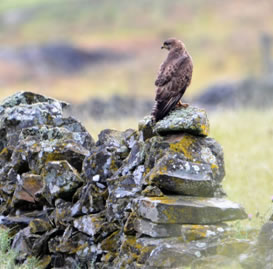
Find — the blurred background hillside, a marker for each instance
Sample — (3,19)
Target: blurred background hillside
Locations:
(103,57)
(76,49)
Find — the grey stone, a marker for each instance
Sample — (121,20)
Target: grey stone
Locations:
(198,157)
(145,127)
(191,120)
(183,177)
(188,232)
(73,202)
(28,98)
(192,210)
(60,180)
(89,224)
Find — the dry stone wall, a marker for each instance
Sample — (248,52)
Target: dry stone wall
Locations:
(147,198)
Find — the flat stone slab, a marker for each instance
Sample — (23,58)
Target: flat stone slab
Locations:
(173,252)
(189,232)
(191,120)
(188,210)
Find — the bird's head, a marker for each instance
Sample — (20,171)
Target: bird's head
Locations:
(173,43)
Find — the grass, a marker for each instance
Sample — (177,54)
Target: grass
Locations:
(8,256)
(246,137)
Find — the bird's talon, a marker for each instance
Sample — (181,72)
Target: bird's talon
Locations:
(184,105)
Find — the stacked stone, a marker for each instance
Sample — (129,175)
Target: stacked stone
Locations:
(179,217)
(150,198)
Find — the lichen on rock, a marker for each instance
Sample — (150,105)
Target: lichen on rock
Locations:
(147,198)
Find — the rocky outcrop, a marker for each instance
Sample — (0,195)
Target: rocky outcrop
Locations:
(147,198)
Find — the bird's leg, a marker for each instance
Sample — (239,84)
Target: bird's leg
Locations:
(180,104)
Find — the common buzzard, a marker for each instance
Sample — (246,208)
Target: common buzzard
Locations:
(173,79)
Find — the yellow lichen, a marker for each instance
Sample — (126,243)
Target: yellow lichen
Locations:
(183,146)
(110,243)
(4,151)
(164,199)
(214,166)
(205,129)
(113,165)
(195,232)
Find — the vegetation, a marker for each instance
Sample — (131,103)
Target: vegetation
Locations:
(246,136)
(8,256)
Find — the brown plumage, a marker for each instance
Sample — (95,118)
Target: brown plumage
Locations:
(173,79)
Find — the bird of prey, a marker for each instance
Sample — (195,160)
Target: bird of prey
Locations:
(173,78)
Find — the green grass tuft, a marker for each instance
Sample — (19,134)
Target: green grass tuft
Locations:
(8,255)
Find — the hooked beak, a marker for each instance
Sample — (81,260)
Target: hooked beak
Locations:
(164,47)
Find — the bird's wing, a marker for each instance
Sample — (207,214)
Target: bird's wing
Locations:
(168,95)
(168,70)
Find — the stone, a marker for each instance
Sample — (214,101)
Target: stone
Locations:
(61,216)
(129,226)
(143,226)
(10,221)
(108,155)
(71,243)
(27,187)
(198,157)
(39,226)
(124,186)
(122,191)
(28,98)
(129,251)
(167,256)
(67,130)
(32,154)
(44,262)
(188,232)
(152,191)
(145,127)
(89,224)
(74,203)
(116,141)
(90,199)
(60,180)
(188,210)
(101,162)
(79,132)
(183,177)
(191,120)
(24,110)
(40,244)
(135,158)
(172,252)
(111,242)
(22,243)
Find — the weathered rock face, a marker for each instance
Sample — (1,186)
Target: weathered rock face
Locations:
(187,210)
(150,198)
